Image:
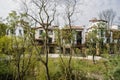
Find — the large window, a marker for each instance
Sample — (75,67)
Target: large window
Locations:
(50,32)
(12,31)
(102,33)
(67,50)
(118,27)
(50,40)
(40,32)
(51,50)
(20,32)
(79,37)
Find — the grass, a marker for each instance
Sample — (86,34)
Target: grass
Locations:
(78,66)
(81,68)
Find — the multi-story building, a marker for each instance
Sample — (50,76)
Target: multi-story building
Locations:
(40,32)
(100,27)
(76,40)
(18,31)
(74,36)
(39,37)
(77,37)
(100,35)
(115,34)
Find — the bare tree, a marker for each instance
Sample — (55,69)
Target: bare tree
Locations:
(108,15)
(70,7)
(43,13)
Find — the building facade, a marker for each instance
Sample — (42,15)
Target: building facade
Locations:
(62,36)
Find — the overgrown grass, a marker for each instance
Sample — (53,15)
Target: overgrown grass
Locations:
(82,69)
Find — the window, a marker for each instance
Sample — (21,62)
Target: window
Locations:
(51,50)
(50,40)
(79,37)
(7,32)
(20,32)
(12,31)
(67,50)
(50,32)
(118,27)
(40,32)
(102,33)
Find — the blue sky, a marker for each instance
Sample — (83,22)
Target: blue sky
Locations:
(89,8)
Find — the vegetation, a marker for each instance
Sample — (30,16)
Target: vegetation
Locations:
(30,68)
(22,59)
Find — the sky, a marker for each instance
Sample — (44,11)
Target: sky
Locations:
(88,9)
(6,6)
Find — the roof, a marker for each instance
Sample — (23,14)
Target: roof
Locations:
(75,27)
(95,28)
(51,27)
(56,27)
(115,30)
(91,27)
(96,20)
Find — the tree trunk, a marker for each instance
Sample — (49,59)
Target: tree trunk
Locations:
(46,53)
(47,72)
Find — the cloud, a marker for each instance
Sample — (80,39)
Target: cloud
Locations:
(6,6)
(91,8)
(88,9)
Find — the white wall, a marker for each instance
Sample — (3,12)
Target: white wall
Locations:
(17,31)
(37,33)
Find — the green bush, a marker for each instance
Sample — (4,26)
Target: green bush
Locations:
(5,71)
(116,74)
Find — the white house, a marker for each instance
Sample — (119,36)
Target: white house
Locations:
(102,32)
(98,26)
(78,36)
(40,32)
(18,31)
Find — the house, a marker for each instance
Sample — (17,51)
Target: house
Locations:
(99,28)
(63,35)
(74,36)
(40,32)
(39,37)
(18,31)
(115,34)
(77,34)
(99,34)
(76,40)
